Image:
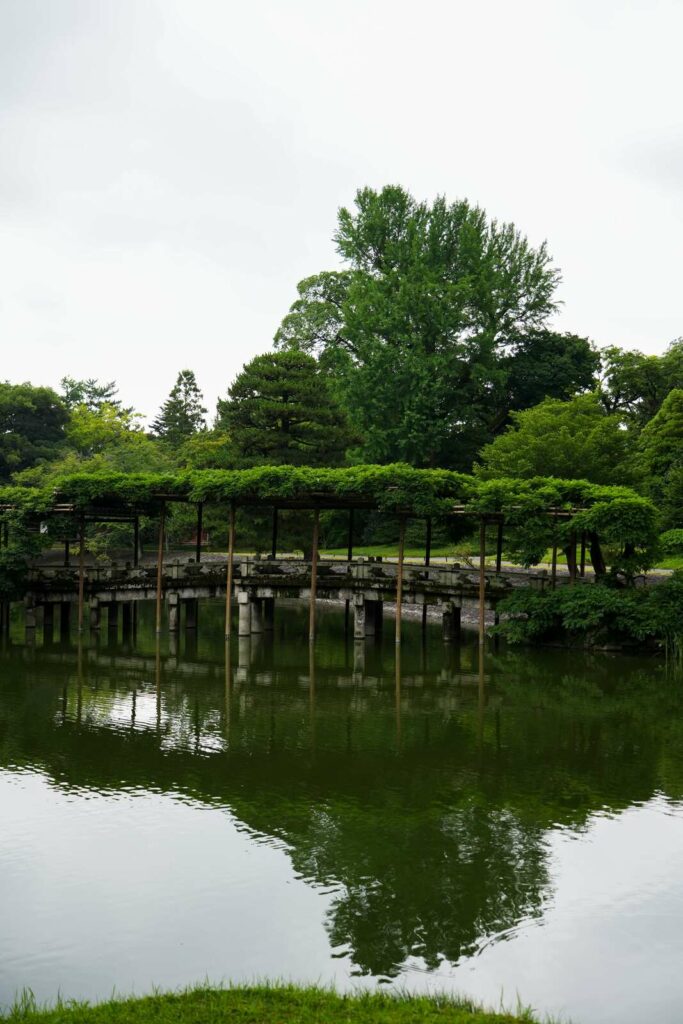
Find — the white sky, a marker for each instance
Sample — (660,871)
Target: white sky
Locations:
(169,169)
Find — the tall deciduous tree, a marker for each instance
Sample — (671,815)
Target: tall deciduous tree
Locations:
(420,331)
(571,440)
(32,421)
(660,458)
(635,385)
(280,410)
(182,414)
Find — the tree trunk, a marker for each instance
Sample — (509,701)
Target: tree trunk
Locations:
(599,567)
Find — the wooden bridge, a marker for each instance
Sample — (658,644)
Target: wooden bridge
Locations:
(365,585)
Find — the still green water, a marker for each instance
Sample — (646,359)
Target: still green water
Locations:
(512,829)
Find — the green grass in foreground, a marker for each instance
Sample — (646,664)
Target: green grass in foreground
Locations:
(265,1004)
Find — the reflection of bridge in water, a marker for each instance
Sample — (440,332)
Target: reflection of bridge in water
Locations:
(365,585)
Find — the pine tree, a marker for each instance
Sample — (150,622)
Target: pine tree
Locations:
(279,411)
(182,414)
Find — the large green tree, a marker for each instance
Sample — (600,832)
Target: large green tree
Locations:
(635,385)
(435,328)
(571,440)
(32,421)
(660,458)
(280,410)
(182,414)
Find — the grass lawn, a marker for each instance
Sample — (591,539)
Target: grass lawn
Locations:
(265,1005)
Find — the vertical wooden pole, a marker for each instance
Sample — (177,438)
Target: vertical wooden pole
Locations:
(81,573)
(499,546)
(399,577)
(314,575)
(200,527)
(553,569)
(136,542)
(582,571)
(428,558)
(273,547)
(349,558)
(572,559)
(66,554)
(228,584)
(482,582)
(160,564)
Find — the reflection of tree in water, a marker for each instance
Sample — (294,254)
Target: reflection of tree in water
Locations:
(429,847)
(429,885)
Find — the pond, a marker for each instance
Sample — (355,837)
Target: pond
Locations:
(510,829)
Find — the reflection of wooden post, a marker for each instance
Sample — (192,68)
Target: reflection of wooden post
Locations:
(81,573)
(200,527)
(314,575)
(428,558)
(482,581)
(397,696)
(160,564)
(399,577)
(228,584)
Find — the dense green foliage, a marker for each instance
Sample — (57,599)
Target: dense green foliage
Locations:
(634,385)
(280,410)
(437,328)
(595,615)
(574,440)
(266,1004)
(32,422)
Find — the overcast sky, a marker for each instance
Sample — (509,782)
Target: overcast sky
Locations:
(169,169)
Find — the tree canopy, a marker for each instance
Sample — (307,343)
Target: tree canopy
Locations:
(280,410)
(32,421)
(435,328)
(575,439)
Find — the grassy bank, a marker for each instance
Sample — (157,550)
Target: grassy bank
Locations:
(265,1005)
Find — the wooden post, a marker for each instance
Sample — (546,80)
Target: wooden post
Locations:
(136,542)
(553,568)
(81,574)
(349,558)
(428,557)
(273,547)
(66,554)
(571,558)
(482,582)
(399,577)
(582,571)
(499,546)
(160,564)
(200,524)
(314,575)
(228,584)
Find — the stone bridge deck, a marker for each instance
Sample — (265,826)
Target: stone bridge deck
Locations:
(365,583)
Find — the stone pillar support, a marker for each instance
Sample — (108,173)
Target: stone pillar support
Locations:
(94,613)
(244,613)
(173,612)
(451,621)
(256,615)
